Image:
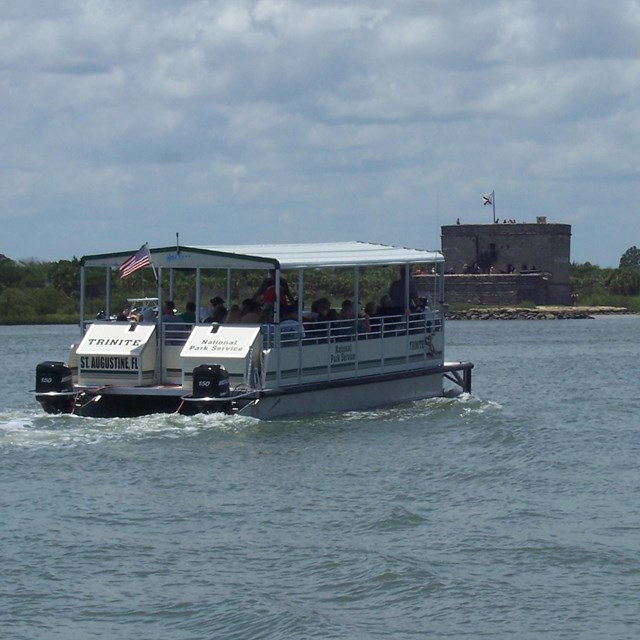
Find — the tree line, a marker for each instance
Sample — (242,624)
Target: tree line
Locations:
(34,292)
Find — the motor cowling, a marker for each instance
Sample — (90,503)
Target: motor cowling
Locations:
(210,381)
(53,377)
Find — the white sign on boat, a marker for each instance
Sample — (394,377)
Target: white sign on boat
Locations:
(117,351)
(220,341)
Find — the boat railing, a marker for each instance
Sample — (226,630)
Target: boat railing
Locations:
(319,332)
(176,333)
(322,332)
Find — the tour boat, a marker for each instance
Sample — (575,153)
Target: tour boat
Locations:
(259,368)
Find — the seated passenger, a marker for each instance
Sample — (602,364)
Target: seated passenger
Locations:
(388,315)
(316,321)
(371,319)
(250,312)
(347,313)
(169,312)
(346,324)
(372,315)
(176,334)
(371,309)
(234,316)
(219,314)
(214,302)
(149,315)
(190,314)
(290,327)
(386,306)
(321,309)
(267,313)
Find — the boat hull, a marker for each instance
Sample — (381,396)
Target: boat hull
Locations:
(338,396)
(356,395)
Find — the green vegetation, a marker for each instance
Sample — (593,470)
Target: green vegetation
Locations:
(38,292)
(630,258)
(595,286)
(48,292)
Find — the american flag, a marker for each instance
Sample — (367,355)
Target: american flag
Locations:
(141,258)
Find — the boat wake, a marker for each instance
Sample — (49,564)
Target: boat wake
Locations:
(457,405)
(32,429)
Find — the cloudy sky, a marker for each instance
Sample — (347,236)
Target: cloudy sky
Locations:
(233,121)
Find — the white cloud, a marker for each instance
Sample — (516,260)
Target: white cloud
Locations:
(364,119)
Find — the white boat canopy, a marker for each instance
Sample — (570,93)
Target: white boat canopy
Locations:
(275,256)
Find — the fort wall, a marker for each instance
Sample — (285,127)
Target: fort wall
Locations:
(510,263)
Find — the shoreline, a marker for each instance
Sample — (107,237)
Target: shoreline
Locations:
(474,313)
(536,313)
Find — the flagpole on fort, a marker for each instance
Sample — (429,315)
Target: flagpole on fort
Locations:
(491,199)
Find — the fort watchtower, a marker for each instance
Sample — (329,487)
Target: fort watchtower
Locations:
(508,263)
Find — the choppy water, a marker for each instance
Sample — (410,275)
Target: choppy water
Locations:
(512,512)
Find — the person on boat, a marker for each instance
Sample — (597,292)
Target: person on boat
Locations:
(267,315)
(214,302)
(234,316)
(175,334)
(220,314)
(320,309)
(266,292)
(348,323)
(397,292)
(316,320)
(388,315)
(190,314)
(149,315)
(370,315)
(250,312)
(386,306)
(169,312)
(290,327)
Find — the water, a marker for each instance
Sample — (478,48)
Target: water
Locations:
(511,512)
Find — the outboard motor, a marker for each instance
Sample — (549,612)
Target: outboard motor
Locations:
(53,378)
(210,381)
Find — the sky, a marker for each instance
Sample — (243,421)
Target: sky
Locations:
(237,121)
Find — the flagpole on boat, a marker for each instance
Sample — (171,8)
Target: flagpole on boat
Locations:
(153,266)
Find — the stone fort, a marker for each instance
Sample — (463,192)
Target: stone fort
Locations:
(507,263)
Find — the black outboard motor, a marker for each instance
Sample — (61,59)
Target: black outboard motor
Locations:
(210,381)
(53,378)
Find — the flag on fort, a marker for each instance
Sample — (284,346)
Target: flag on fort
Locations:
(140,259)
(488,199)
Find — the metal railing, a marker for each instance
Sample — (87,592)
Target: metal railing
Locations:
(322,332)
